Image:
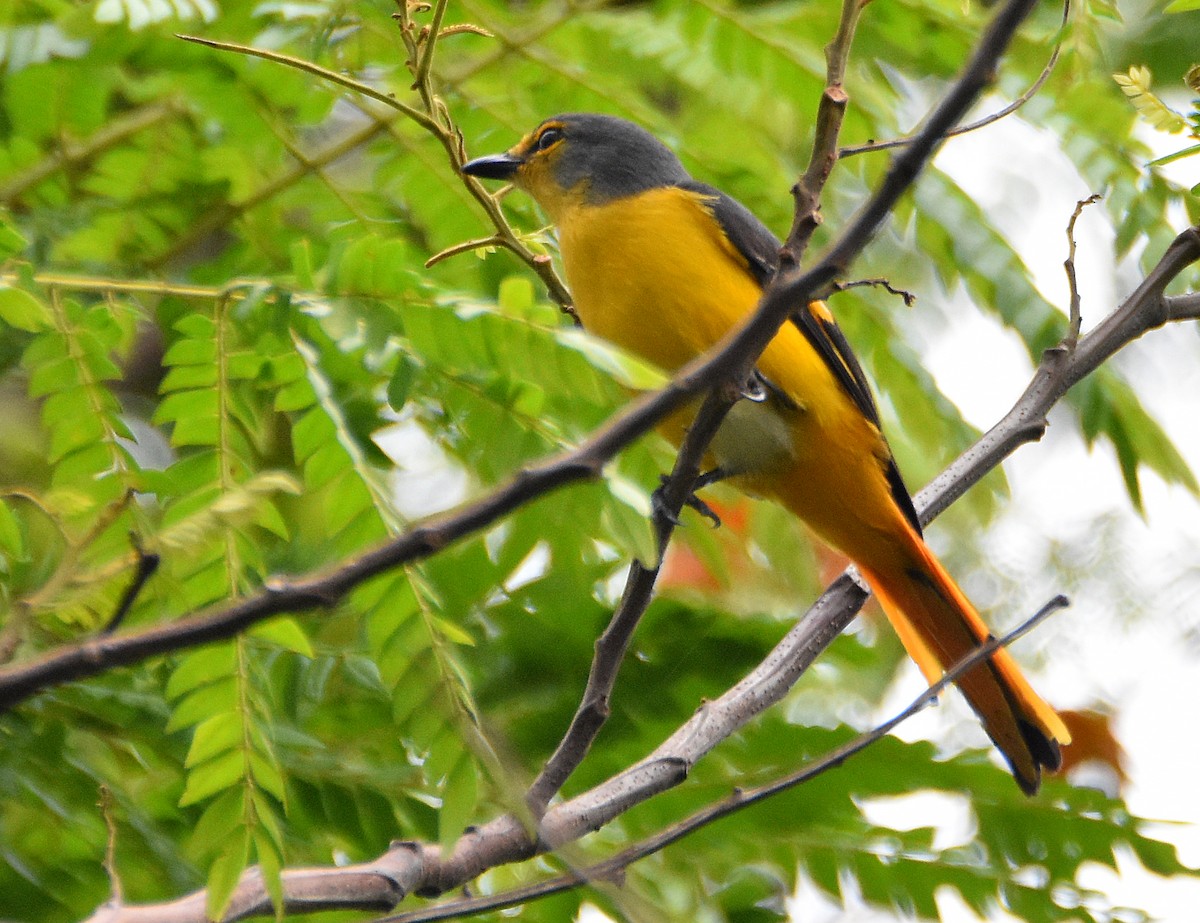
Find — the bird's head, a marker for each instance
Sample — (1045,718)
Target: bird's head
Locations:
(583,158)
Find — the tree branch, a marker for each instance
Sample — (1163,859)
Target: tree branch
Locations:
(873,146)
(806,193)
(1074,310)
(611,868)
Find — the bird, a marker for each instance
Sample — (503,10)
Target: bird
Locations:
(664,266)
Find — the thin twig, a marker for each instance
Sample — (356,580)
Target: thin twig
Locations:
(466,246)
(908,297)
(426,60)
(140,286)
(317,70)
(147,564)
(1076,316)
(873,146)
(110,844)
(831,111)
(612,644)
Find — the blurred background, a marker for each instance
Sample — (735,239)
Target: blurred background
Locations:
(222,343)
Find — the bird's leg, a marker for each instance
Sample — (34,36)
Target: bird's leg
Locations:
(693,501)
(756,389)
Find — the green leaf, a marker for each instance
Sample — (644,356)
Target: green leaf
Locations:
(266,773)
(214,736)
(1178,155)
(217,774)
(201,667)
(1136,85)
(516,296)
(628,519)
(270,863)
(625,368)
(11,240)
(452,632)
(12,544)
(212,699)
(222,816)
(302,267)
(21,310)
(401,382)
(459,797)
(284,633)
(225,873)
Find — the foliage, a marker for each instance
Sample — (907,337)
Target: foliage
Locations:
(1136,85)
(268,409)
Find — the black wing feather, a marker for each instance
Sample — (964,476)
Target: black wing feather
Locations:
(751,237)
(760,248)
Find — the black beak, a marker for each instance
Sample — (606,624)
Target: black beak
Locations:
(494,166)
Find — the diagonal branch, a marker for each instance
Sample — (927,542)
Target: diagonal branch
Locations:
(871,147)
(610,869)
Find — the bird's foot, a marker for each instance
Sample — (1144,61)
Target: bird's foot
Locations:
(692,502)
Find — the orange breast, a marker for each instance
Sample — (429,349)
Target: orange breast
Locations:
(655,275)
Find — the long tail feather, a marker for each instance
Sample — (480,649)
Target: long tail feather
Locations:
(938,627)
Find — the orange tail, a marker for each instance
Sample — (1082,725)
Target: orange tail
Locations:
(939,626)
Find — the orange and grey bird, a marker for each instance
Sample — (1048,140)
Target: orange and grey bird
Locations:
(665,266)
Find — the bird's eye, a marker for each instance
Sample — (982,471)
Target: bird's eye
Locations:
(549,137)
